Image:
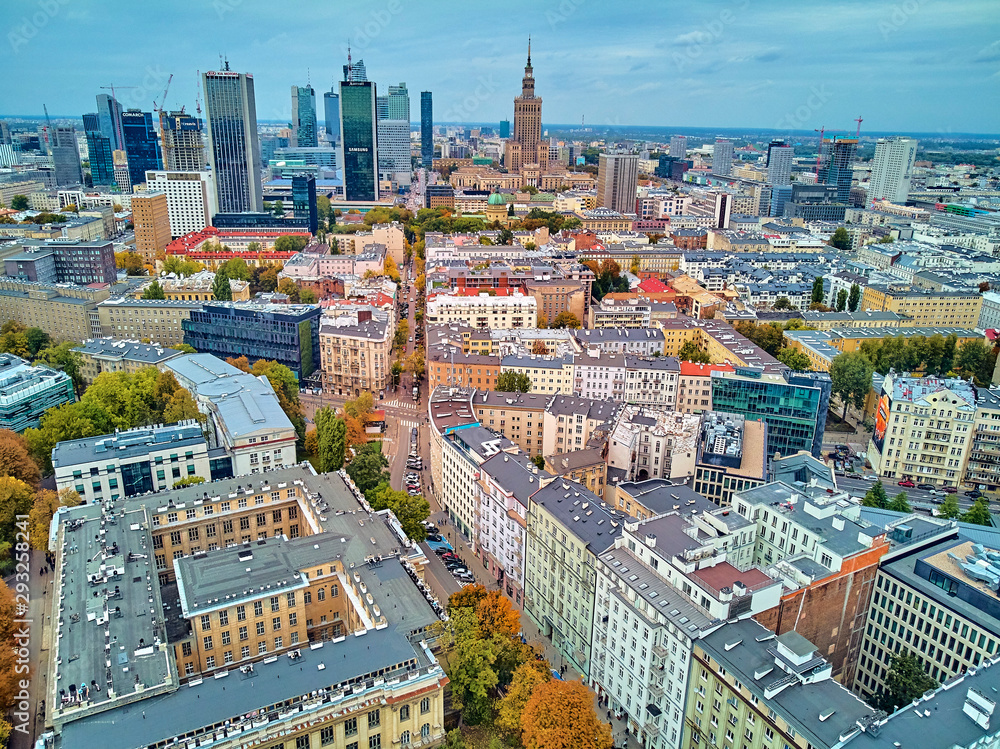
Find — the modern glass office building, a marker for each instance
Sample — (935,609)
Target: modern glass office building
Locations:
(426,129)
(794,405)
(331,113)
(304,116)
(304,199)
(109,117)
(99,150)
(233,145)
(27,392)
(141,146)
(358,136)
(837,168)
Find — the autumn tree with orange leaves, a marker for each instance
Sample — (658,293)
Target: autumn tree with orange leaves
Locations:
(510,707)
(560,715)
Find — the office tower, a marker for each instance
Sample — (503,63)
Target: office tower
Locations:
(8,157)
(190,199)
(270,144)
(304,199)
(526,146)
(892,169)
(331,113)
(304,117)
(779,162)
(182,142)
(122,177)
(109,114)
(393,115)
(5,133)
(355,71)
(678,146)
(837,165)
(359,141)
(99,151)
(617,179)
(233,147)
(780,194)
(723,209)
(426,129)
(141,148)
(722,157)
(504,128)
(65,156)
(151,218)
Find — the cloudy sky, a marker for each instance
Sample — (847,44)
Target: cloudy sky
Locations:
(906,65)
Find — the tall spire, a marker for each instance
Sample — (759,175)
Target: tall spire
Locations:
(529,50)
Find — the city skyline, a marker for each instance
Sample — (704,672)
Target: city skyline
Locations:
(913,67)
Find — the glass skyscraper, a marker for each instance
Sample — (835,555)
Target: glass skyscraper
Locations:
(304,116)
(331,113)
(426,129)
(109,115)
(304,199)
(102,165)
(234,149)
(360,143)
(837,169)
(141,147)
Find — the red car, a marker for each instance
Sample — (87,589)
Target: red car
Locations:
(949,489)
(907,483)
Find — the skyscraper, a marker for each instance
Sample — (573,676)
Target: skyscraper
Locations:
(359,141)
(678,146)
(181,141)
(304,117)
(504,128)
(426,129)
(892,169)
(837,165)
(355,71)
(233,146)
(393,113)
(331,116)
(722,157)
(109,114)
(141,148)
(99,150)
(65,156)
(304,199)
(526,146)
(779,162)
(617,179)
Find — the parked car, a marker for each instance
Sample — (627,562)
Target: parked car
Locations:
(949,489)
(925,487)
(906,483)
(869,477)
(974,493)
(936,492)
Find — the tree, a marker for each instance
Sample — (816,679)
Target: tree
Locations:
(263,278)
(851,377)
(840,239)
(513,382)
(817,290)
(181,407)
(559,715)
(19,202)
(539,461)
(854,298)
(876,496)
(899,503)
(539,347)
(420,283)
(783,302)
(289,243)
(949,509)
(180,266)
(978,514)
(689,351)
(771,338)
(410,511)
(154,291)
(279,208)
(842,299)
(905,682)
(566,319)
(542,321)
(970,359)
(46,503)
(236,268)
(887,239)
(14,339)
(15,459)
(289,287)
(472,673)
(468,597)
(390,268)
(36,339)
(188,481)
(16,498)
(64,358)
(634,266)
(368,469)
(511,706)
(308,296)
(794,359)
(221,290)
(505,236)
(984,287)
(186,348)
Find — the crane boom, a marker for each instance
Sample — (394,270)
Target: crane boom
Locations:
(163,97)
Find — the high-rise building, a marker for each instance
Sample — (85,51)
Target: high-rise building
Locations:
(331,113)
(141,148)
(182,142)
(304,131)
(393,113)
(233,146)
(504,128)
(837,168)
(359,140)
(779,162)
(190,199)
(65,155)
(426,129)
(304,199)
(526,146)
(99,151)
(678,146)
(109,114)
(722,157)
(892,169)
(617,179)
(355,71)
(151,218)
(122,177)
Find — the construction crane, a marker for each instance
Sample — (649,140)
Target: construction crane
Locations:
(819,150)
(163,98)
(118,120)
(859,121)
(197,96)
(48,123)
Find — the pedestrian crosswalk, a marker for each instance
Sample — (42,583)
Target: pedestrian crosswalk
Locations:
(400,403)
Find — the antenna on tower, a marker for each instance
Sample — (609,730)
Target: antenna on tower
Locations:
(308,79)
(350,68)
(197,96)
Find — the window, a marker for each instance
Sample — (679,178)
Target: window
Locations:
(425,705)
(326,736)
(260,628)
(243,633)
(207,642)
(375,742)
(210,662)
(302,742)
(226,638)
(351,727)
(261,647)
(245,651)
(276,623)
(241,613)
(186,649)
(374,718)
(258,608)
(404,712)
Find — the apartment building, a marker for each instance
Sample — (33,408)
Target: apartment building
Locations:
(64,312)
(633,314)
(652,381)
(483,311)
(463,451)
(732,456)
(554,296)
(114,355)
(694,386)
(648,443)
(198,288)
(191,199)
(27,392)
(356,352)
(159,320)
(448,366)
(151,218)
(570,424)
(449,409)
(549,374)
(982,468)
(587,467)
(641,342)
(954,309)
(599,375)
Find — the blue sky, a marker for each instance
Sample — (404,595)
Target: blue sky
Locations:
(906,65)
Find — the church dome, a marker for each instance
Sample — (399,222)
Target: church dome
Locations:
(497,199)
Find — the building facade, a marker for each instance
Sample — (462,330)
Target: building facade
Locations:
(191,199)
(155,320)
(151,217)
(182,142)
(27,392)
(617,180)
(358,131)
(304,131)
(892,169)
(233,144)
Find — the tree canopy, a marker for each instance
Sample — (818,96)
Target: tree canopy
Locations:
(689,351)
(905,682)
(513,382)
(154,291)
(851,378)
(840,239)
(560,714)
(794,359)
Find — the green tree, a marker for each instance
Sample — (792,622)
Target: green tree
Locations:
(368,468)
(689,351)
(876,496)
(905,682)
(539,461)
(130,262)
(16,498)
(186,348)
(771,338)
(783,302)
(842,298)
(19,202)
(900,503)
(221,290)
(851,376)
(37,339)
(410,511)
(330,438)
(854,298)
(794,359)
(566,320)
(188,481)
(289,243)
(472,673)
(154,291)
(64,358)
(279,208)
(817,290)
(840,239)
(236,268)
(513,382)
(289,287)
(949,509)
(308,296)
(979,513)
(179,266)
(505,236)
(970,358)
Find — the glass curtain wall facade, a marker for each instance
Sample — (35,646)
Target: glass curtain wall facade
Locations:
(360,143)
(141,146)
(234,148)
(426,129)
